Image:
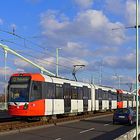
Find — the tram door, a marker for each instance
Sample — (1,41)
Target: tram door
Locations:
(100,98)
(110,99)
(100,104)
(110,104)
(67,97)
(85,98)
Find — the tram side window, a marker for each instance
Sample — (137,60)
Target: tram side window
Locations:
(114,96)
(131,97)
(125,97)
(89,93)
(80,93)
(49,90)
(100,94)
(67,90)
(85,92)
(122,97)
(110,96)
(59,91)
(96,94)
(74,92)
(36,91)
(128,97)
(106,95)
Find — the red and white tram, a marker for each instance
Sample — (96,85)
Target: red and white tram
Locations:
(41,95)
(125,99)
(36,95)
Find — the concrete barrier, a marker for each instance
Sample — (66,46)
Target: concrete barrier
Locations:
(130,135)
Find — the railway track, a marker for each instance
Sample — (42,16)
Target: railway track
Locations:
(22,124)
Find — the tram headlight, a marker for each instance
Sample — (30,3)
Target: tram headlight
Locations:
(25,106)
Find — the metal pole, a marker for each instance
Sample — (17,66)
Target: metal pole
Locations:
(137,70)
(5,78)
(57,49)
(56,62)
(100,80)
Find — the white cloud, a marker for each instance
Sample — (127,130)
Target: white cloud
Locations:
(74,61)
(131,12)
(90,26)
(22,66)
(21,63)
(65,65)
(84,4)
(19,70)
(97,27)
(49,22)
(88,37)
(115,6)
(75,49)
(121,62)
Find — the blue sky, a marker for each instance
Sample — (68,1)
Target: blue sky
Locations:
(82,28)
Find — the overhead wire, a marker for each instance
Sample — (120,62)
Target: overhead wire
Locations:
(27,47)
(70,68)
(42,62)
(45,60)
(39,46)
(65,67)
(34,56)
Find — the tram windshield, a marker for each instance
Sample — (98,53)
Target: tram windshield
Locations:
(18,93)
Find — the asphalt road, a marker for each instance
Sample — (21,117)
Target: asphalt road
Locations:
(95,129)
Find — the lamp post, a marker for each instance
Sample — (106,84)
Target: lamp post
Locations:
(137,67)
(5,78)
(57,49)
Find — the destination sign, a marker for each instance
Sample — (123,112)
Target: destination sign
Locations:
(19,79)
